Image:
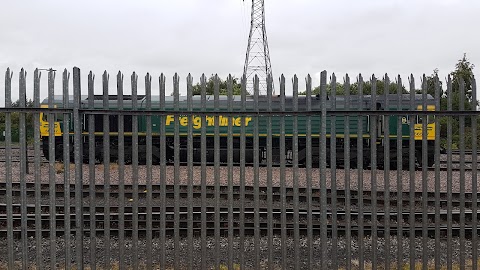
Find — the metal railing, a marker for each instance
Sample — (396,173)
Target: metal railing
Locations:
(322,180)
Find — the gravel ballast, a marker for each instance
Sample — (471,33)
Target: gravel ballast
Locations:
(334,255)
(368,181)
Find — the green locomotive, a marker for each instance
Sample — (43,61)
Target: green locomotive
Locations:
(295,124)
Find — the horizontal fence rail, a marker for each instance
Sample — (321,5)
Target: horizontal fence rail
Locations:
(242,113)
(364,174)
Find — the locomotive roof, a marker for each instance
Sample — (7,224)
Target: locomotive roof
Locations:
(340,101)
(237,97)
(403,97)
(277,97)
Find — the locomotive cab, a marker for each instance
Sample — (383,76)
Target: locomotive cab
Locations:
(47,121)
(403,127)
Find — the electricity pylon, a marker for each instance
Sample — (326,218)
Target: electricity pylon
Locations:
(257,60)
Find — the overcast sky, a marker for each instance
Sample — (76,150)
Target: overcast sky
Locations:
(210,36)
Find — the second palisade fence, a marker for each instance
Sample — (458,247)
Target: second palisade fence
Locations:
(368,173)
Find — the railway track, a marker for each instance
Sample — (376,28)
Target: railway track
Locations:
(249,214)
(277,194)
(95,219)
(443,165)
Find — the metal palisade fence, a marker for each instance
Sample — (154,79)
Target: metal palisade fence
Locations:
(353,175)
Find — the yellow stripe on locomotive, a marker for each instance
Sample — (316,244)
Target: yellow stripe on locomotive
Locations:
(430,125)
(45,126)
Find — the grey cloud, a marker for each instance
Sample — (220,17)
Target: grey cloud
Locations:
(305,36)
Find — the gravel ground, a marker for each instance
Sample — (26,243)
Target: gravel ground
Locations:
(339,175)
(249,252)
(334,255)
(301,178)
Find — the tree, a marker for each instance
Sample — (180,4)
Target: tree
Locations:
(463,70)
(380,88)
(431,84)
(210,87)
(367,88)
(339,90)
(15,120)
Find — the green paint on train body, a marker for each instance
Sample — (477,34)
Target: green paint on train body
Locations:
(251,115)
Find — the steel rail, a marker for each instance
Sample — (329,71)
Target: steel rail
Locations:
(248,193)
(249,228)
(249,216)
(212,211)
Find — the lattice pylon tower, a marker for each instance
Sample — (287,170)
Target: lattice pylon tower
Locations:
(257,59)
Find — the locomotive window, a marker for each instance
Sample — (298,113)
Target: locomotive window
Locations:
(419,119)
(57,117)
(430,119)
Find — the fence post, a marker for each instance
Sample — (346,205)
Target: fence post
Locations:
(66,171)
(27,171)
(78,167)
(23,162)
(8,165)
(22,128)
